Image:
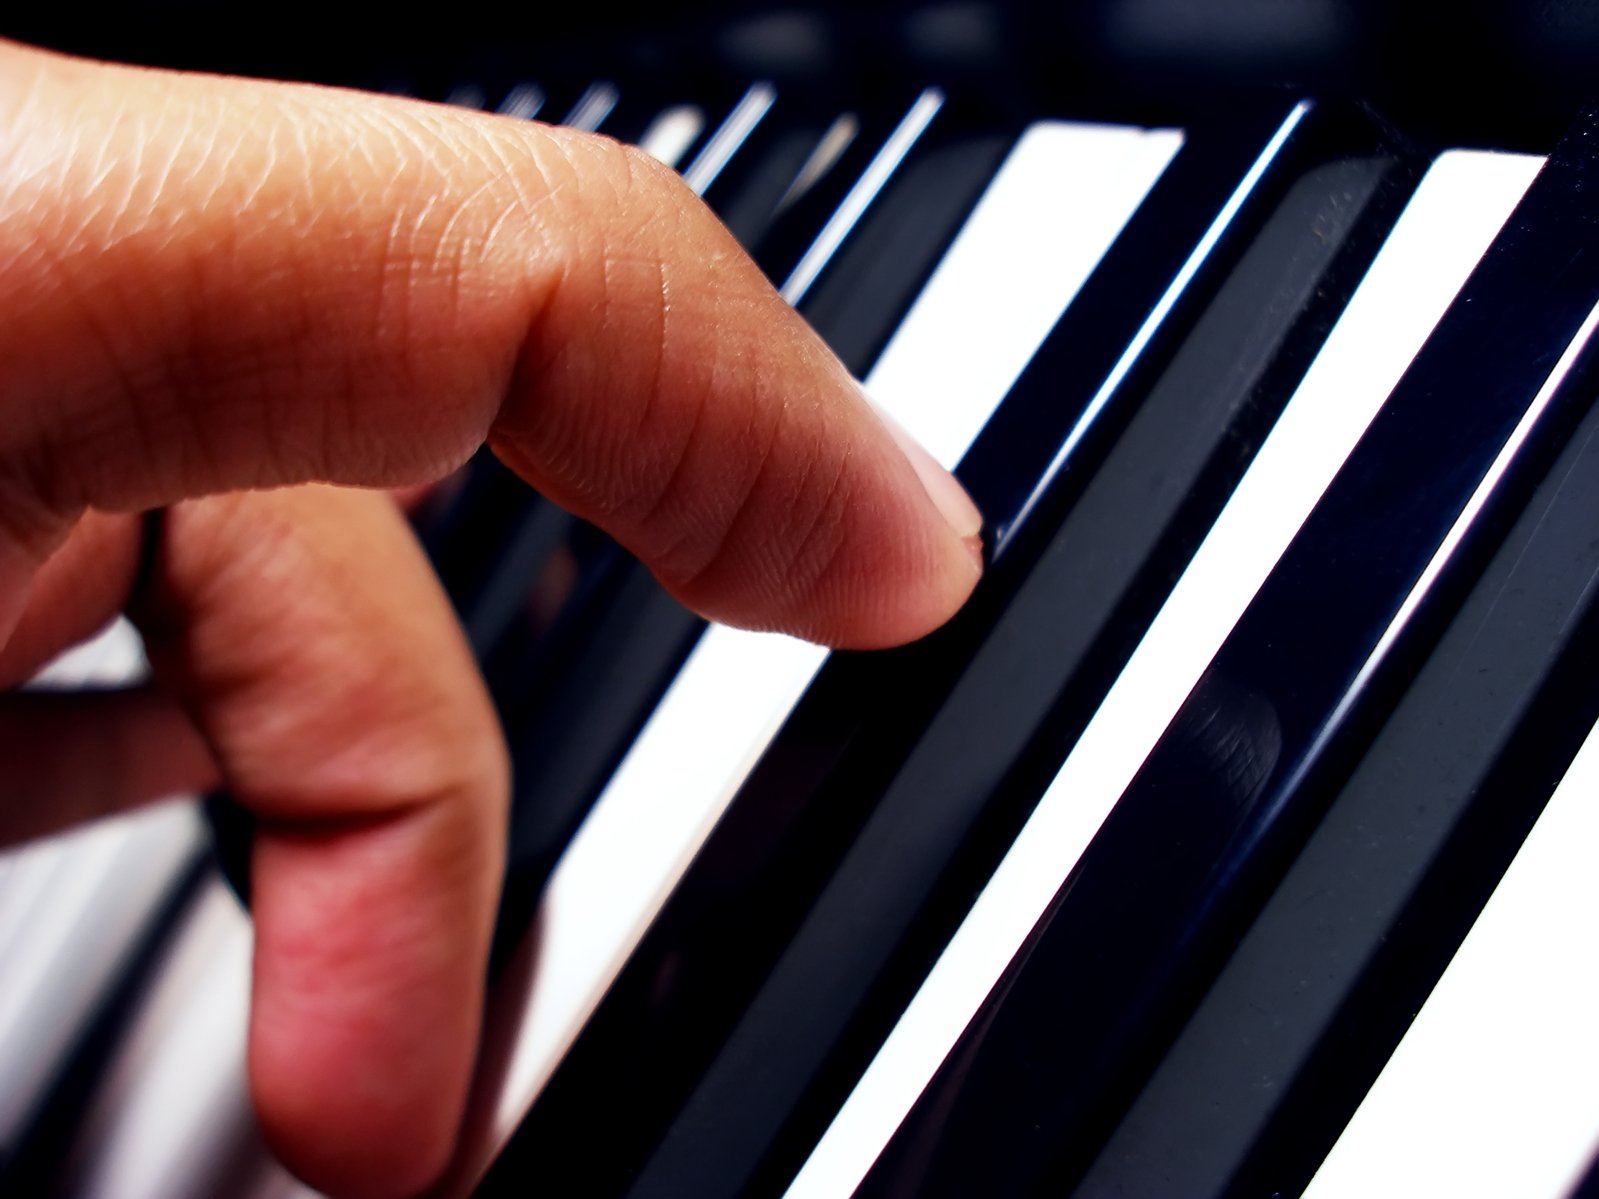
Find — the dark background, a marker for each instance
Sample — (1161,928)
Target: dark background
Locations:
(1489,72)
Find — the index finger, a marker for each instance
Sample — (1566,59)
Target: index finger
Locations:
(212,284)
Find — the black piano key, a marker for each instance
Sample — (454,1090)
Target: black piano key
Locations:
(487,544)
(1491,1091)
(1035,1085)
(886,131)
(861,296)
(780,153)
(681,996)
(1318,991)
(1588,1186)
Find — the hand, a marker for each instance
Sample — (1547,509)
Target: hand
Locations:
(213,288)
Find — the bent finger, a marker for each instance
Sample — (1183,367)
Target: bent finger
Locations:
(213,283)
(305,633)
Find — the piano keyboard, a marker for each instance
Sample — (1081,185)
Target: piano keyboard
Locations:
(1131,879)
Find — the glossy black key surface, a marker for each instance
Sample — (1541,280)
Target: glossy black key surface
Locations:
(1311,1002)
(492,537)
(1294,697)
(1425,827)
(777,135)
(792,229)
(664,1030)
(1588,1186)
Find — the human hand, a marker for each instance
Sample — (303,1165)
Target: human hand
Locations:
(215,288)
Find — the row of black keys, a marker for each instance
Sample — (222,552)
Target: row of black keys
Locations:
(935,755)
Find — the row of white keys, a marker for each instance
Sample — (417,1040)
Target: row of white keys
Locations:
(1051,212)
(1455,213)
(1494,1089)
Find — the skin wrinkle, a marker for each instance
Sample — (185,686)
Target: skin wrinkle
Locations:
(271,556)
(125,387)
(729,530)
(651,506)
(825,520)
(723,504)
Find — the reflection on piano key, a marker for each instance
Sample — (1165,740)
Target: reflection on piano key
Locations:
(524,101)
(669,136)
(859,198)
(590,109)
(1494,1090)
(838,138)
(729,136)
(467,95)
(737,687)
(1455,213)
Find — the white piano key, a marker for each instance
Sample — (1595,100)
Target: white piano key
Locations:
(737,687)
(1494,1089)
(669,135)
(1053,209)
(1458,208)
(30,871)
(113,655)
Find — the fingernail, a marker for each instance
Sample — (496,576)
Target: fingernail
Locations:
(948,496)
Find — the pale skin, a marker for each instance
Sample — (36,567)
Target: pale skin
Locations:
(219,297)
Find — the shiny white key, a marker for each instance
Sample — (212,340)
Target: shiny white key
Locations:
(1494,1089)
(962,345)
(1455,213)
(670,134)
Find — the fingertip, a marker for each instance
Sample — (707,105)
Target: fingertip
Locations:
(367,1001)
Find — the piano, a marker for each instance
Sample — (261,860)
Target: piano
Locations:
(1234,840)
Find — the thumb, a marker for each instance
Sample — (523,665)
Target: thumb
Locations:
(210,284)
